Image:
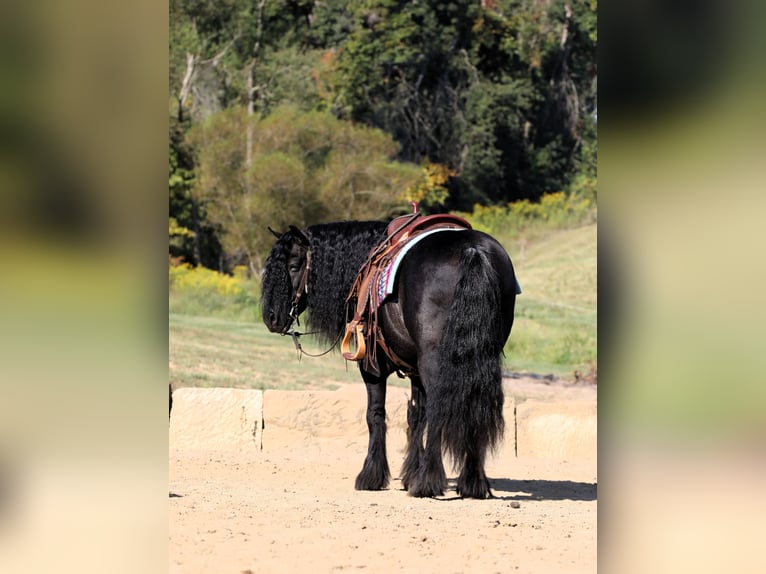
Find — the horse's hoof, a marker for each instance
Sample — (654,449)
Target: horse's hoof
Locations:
(425,492)
(481,495)
(477,489)
(407,482)
(364,482)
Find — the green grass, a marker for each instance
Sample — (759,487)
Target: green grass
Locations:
(554,332)
(555,326)
(218,352)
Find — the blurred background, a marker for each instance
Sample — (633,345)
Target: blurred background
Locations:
(682,394)
(83,311)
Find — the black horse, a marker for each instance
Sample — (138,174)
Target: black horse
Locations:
(449,317)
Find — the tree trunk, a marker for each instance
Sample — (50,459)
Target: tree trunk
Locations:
(250,86)
(186,85)
(250,111)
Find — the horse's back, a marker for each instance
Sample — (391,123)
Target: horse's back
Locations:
(428,278)
(436,261)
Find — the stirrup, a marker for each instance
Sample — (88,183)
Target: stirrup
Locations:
(353,328)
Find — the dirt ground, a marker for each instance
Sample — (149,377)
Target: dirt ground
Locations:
(293,508)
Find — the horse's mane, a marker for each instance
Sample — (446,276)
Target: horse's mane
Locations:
(338,250)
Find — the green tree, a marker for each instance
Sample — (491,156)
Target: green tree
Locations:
(401,71)
(331,23)
(303,168)
(220,50)
(500,95)
(226,53)
(192,237)
(500,92)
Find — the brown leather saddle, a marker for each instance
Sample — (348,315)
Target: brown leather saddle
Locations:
(363,329)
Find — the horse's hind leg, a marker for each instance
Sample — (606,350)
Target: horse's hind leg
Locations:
(375,474)
(472,482)
(416,424)
(430,479)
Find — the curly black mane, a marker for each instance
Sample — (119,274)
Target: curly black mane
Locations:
(338,250)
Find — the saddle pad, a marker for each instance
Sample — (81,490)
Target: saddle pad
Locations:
(388,275)
(385,285)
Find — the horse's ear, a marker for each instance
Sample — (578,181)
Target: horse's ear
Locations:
(274,233)
(300,236)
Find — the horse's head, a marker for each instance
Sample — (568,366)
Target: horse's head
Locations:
(285,280)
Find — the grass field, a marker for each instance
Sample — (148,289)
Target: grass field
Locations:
(554,331)
(555,326)
(213,352)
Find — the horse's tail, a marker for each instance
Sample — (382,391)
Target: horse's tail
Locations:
(471,393)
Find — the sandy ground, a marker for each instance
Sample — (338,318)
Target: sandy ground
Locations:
(293,508)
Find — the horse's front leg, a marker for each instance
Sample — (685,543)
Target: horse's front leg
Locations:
(375,474)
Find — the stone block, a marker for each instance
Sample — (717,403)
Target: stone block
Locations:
(216,419)
(556,430)
(310,415)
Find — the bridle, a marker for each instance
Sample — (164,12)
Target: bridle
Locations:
(303,289)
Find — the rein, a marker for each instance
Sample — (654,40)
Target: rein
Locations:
(295,334)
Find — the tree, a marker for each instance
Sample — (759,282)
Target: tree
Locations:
(226,53)
(305,167)
(400,71)
(494,99)
(499,92)
(192,237)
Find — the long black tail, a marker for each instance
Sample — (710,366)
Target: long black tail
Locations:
(470,386)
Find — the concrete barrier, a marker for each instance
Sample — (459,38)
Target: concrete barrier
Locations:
(216,419)
(556,430)
(291,416)
(238,419)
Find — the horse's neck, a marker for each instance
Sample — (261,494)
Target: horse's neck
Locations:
(338,253)
(348,256)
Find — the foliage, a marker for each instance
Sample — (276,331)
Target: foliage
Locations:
(499,158)
(290,167)
(331,23)
(293,76)
(501,95)
(520,221)
(400,70)
(178,233)
(485,103)
(219,142)
(199,243)
(197,290)
(431,187)
(180,181)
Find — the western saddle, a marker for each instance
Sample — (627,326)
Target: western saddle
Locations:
(363,327)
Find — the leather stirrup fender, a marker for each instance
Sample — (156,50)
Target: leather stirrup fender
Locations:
(354,328)
(399,232)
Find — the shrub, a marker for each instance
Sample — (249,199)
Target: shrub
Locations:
(524,221)
(202,291)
